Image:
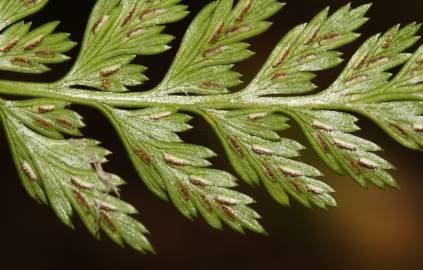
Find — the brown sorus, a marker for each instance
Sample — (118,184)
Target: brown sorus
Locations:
(213,51)
(237,29)
(149,12)
(269,172)
(281,58)
(9,46)
(29,172)
(30,2)
(322,141)
(377,60)
(210,85)
(77,183)
(235,145)
(296,186)
(279,76)
(244,12)
(135,31)
(99,23)
(106,83)
(354,164)
(44,53)
(328,37)
(143,155)
(312,36)
(228,212)
(216,35)
(65,122)
(82,201)
(183,190)
(129,16)
(21,61)
(45,108)
(109,72)
(104,217)
(344,145)
(34,44)
(417,69)
(362,62)
(307,56)
(206,202)
(289,172)
(400,129)
(388,42)
(358,78)
(199,182)
(42,122)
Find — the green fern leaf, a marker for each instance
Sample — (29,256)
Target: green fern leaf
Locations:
(178,171)
(213,43)
(67,174)
(116,32)
(258,153)
(14,10)
(307,48)
(22,50)
(48,117)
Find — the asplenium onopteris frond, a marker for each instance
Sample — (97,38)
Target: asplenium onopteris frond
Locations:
(67,174)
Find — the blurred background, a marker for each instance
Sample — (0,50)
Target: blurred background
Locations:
(371,229)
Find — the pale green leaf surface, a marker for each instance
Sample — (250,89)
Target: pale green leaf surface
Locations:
(402,120)
(374,96)
(48,117)
(28,51)
(328,133)
(178,171)
(67,175)
(367,69)
(307,48)
(14,10)
(258,154)
(117,32)
(213,43)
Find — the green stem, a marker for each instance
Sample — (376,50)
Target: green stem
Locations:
(151,98)
(384,97)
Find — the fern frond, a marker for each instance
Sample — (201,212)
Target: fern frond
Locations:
(67,173)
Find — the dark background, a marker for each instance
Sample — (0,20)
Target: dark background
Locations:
(371,229)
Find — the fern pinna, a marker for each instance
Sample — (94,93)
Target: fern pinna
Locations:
(61,169)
